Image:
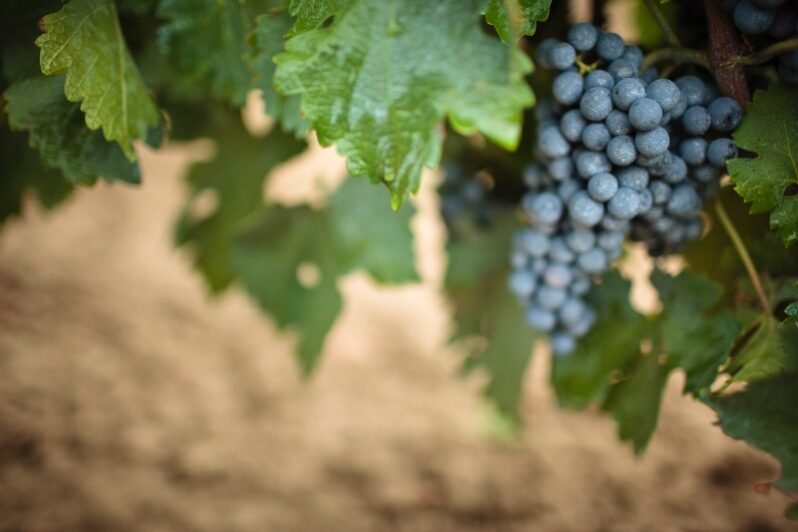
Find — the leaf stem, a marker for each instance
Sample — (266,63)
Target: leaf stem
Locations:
(659,16)
(745,257)
(762,56)
(676,55)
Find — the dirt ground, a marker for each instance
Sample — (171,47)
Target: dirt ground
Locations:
(129,400)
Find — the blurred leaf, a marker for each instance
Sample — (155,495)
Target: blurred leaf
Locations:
(378,80)
(635,401)
(770,129)
(310,14)
(21,173)
(487,315)
(84,40)
(57,129)
(233,180)
(765,416)
(522,18)
(761,353)
(585,376)
(266,41)
(695,341)
(289,259)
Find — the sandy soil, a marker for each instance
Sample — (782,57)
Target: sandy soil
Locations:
(131,401)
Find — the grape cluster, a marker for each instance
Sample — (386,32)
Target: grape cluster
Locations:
(773,20)
(464,198)
(617,155)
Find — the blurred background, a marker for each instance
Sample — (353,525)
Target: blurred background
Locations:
(131,400)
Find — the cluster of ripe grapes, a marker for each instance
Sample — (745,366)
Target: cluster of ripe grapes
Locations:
(618,154)
(769,21)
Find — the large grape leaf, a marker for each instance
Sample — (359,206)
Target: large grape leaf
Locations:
(58,131)
(84,40)
(486,315)
(771,131)
(266,41)
(234,179)
(290,258)
(205,42)
(22,173)
(378,80)
(765,415)
(515,18)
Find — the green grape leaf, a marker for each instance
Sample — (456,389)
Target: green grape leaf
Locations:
(84,40)
(585,376)
(635,401)
(765,416)
(771,131)
(369,238)
(378,80)
(486,315)
(268,259)
(266,41)
(212,64)
(57,129)
(234,178)
(290,258)
(515,18)
(21,172)
(761,352)
(311,13)
(695,341)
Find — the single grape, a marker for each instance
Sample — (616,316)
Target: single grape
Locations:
(542,54)
(572,310)
(617,123)
(645,114)
(621,150)
(562,344)
(571,125)
(533,242)
(609,46)
(684,202)
(541,319)
(595,137)
(675,170)
(692,88)
(725,113)
(660,191)
(596,104)
(752,19)
(652,143)
(557,276)
(634,54)
(561,168)
(594,261)
(533,175)
(584,210)
(590,163)
(625,204)
(581,240)
(599,78)
(545,207)
(693,150)
(522,283)
(602,186)
(551,298)
(633,177)
(568,188)
(611,223)
(627,91)
(646,200)
(580,286)
(720,151)
(552,144)
(568,87)
(560,251)
(610,240)
(562,55)
(622,69)
(696,120)
(583,36)
(584,324)
(664,92)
